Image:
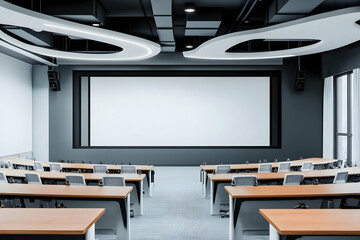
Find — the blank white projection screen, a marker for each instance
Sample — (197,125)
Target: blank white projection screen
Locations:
(180,111)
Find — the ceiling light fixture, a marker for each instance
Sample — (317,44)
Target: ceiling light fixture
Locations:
(133,48)
(189,46)
(325,27)
(189,7)
(96,24)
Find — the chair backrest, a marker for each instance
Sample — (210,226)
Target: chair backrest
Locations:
(100,168)
(126,169)
(38,166)
(3,178)
(222,169)
(10,164)
(341,177)
(55,167)
(284,167)
(306,166)
(293,179)
(33,178)
(265,168)
(113,181)
(340,163)
(248,180)
(75,180)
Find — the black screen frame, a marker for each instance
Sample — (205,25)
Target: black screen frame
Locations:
(275,103)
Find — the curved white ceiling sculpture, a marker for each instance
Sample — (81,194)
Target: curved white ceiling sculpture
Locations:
(334,29)
(134,48)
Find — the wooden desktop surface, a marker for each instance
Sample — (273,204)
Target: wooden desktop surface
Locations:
(294,163)
(85,166)
(314,221)
(8,189)
(281,175)
(61,175)
(56,221)
(290,191)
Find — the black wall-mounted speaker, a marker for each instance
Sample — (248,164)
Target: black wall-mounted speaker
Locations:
(300,81)
(54,83)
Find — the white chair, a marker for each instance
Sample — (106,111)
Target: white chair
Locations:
(3,178)
(75,180)
(55,167)
(341,177)
(284,167)
(113,181)
(100,168)
(340,163)
(293,179)
(128,169)
(307,166)
(10,164)
(33,178)
(248,180)
(38,166)
(265,168)
(222,169)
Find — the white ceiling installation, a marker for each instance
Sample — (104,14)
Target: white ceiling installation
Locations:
(334,29)
(26,53)
(134,48)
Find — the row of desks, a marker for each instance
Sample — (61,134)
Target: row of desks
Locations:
(245,202)
(206,170)
(255,166)
(114,199)
(134,180)
(78,167)
(218,195)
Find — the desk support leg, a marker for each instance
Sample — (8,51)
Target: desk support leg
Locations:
(141,197)
(212,198)
(231,218)
(274,235)
(90,234)
(149,183)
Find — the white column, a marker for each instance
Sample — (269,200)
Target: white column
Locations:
(328,118)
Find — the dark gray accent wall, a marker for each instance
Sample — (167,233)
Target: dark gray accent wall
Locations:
(341,60)
(301,122)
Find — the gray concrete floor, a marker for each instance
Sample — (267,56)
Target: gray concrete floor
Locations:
(177,209)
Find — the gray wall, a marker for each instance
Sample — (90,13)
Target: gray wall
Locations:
(341,60)
(40,124)
(301,122)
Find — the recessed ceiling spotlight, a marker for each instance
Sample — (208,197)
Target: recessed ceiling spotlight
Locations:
(189,46)
(246,21)
(96,24)
(189,7)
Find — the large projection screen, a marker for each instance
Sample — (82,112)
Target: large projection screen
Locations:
(179,111)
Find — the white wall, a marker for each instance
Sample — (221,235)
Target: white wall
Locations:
(40,124)
(15,106)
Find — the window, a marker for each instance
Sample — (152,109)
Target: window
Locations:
(343,89)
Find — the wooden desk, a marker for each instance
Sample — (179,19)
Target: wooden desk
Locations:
(40,223)
(135,180)
(146,169)
(312,222)
(285,194)
(253,167)
(219,196)
(113,199)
